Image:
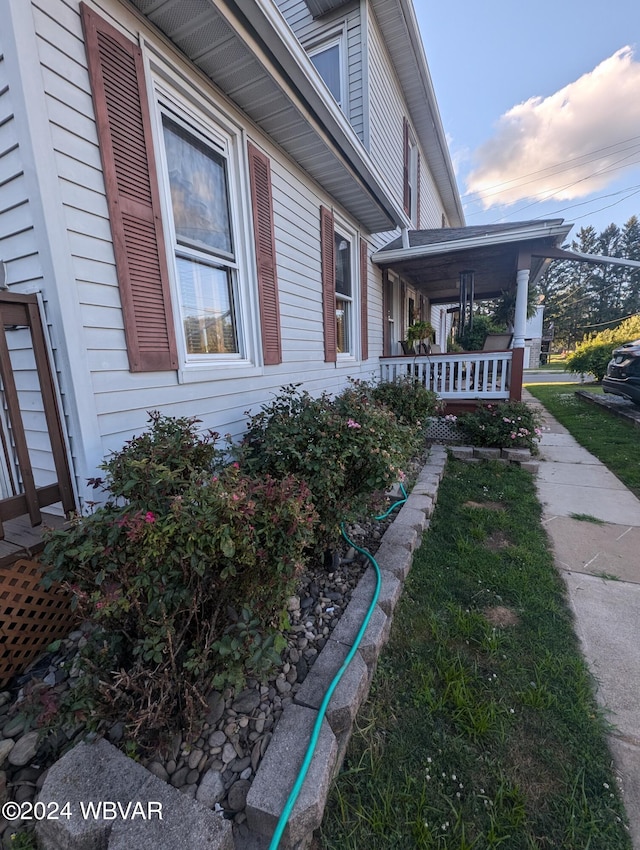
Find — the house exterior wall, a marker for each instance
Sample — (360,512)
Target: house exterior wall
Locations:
(24,273)
(220,398)
(18,245)
(72,260)
(310,33)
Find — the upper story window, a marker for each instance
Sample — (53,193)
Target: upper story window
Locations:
(411,175)
(203,240)
(329,62)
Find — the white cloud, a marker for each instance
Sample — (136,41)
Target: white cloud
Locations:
(567,145)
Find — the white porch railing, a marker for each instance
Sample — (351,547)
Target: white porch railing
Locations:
(455,377)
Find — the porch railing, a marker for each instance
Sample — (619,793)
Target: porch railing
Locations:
(455,377)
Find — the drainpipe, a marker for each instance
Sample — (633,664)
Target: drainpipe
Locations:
(405,238)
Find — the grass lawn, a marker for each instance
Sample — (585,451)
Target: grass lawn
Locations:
(612,440)
(481,730)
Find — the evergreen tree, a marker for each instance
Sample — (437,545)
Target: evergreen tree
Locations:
(584,298)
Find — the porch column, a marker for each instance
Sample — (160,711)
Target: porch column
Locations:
(519,329)
(520,319)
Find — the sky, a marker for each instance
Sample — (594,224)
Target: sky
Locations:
(540,103)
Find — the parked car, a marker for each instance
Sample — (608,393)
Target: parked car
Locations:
(623,372)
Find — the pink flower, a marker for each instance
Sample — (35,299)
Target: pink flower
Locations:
(150,517)
(235,465)
(351,423)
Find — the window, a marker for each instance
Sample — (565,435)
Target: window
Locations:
(411,175)
(203,240)
(340,291)
(344,295)
(327,59)
(178,216)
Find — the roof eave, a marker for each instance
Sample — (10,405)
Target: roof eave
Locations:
(558,232)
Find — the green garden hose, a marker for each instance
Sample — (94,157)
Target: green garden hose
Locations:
(315,734)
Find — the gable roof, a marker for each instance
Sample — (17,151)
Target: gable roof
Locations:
(248,50)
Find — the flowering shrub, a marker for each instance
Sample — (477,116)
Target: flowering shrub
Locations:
(510,424)
(410,401)
(184,595)
(159,463)
(346,449)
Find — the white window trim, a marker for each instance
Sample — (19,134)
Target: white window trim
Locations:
(341,228)
(413,176)
(175,93)
(337,36)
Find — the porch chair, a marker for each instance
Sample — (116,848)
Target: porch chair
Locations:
(495,342)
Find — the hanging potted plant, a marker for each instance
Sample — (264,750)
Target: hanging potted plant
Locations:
(418,332)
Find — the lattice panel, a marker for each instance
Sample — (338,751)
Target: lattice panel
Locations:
(30,617)
(442,431)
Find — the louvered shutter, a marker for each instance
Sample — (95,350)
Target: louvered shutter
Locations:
(124,131)
(261,197)
(406,191)
(327,244)
(364,299)
(418,192)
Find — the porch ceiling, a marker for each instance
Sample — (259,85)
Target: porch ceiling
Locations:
(434,259)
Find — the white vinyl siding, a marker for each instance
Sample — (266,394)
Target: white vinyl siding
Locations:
(121,398)
(19,251)
(386,113)
(18,246)
(310,32)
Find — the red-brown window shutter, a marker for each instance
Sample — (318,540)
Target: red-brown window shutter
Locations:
(406,193)
(418,193)
(124,132)
(364,298)
(262,202)
(327,244)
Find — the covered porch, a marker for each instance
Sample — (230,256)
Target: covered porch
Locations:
(461,379)
(459,267)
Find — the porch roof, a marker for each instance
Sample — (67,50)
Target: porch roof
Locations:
(432,260)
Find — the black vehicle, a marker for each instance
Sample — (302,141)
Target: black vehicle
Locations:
(623,372)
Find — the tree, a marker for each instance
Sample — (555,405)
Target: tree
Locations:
(581,297)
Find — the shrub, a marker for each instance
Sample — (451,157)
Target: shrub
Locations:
(345,449)
(408,399)
(511,424)
(593,354)
(158,464)
(184,597)
(474,336)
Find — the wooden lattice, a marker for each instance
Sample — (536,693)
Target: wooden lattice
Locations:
(30,617)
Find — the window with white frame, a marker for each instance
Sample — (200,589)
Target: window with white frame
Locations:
(413,176)
(197,172)
(345,314)
(329,62)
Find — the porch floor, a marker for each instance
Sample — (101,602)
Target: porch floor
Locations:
(22,540)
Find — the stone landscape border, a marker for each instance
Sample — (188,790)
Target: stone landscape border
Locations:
(100,772)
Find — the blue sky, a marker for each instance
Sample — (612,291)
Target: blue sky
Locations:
(541,106)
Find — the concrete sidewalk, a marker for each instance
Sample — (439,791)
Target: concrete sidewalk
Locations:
(593,522)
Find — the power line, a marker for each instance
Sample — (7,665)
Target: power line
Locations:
(563,165)
(568,186)
(600,324)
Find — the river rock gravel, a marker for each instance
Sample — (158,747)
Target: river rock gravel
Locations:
(217,768)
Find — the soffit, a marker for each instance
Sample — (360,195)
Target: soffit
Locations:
(247,49)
